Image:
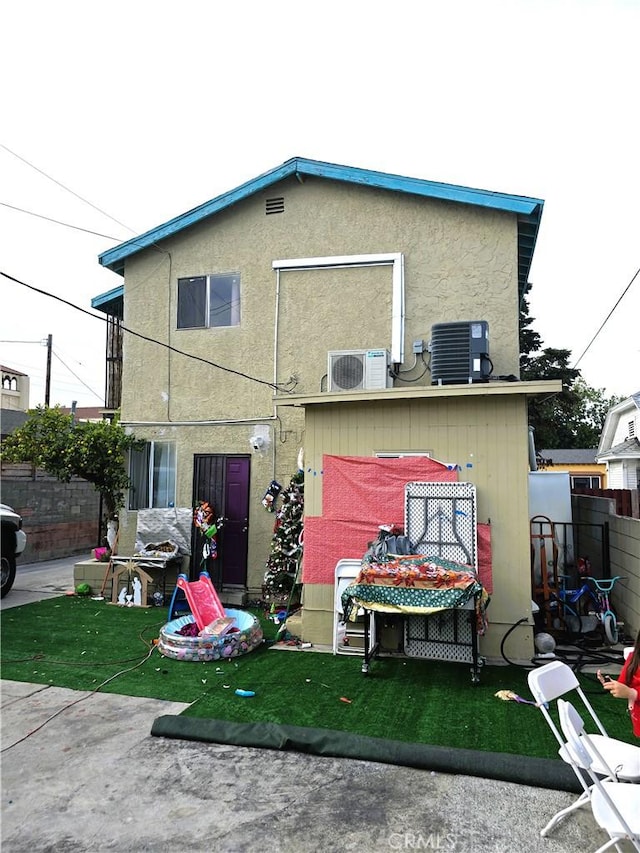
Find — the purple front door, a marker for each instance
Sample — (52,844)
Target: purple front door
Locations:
(235,531)
(223,481)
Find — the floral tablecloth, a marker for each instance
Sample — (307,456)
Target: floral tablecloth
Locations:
(415,584)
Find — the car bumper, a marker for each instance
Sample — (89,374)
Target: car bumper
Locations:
(21,541)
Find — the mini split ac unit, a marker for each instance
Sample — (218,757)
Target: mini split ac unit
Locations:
(358,370)
(460,353)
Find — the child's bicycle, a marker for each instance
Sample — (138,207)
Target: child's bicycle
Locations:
(592,598)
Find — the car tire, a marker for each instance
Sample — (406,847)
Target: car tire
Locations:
(8,566)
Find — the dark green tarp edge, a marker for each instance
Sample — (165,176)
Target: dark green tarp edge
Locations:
(523,770)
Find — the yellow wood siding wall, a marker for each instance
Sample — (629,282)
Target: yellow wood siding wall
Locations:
(488,439)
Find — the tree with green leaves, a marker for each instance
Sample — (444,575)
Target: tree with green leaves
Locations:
(574,417)
(95,451)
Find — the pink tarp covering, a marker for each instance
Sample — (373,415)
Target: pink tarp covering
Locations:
(358,494)
(485,571)
(368,488)
(327,541)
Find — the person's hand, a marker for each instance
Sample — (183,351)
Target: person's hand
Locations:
(603,679)
(619,690)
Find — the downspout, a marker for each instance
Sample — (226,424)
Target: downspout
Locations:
(533,465)
(397,310)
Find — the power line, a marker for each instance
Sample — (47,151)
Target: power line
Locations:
(637,272)
(59,222)
(58,183)
(168,347)
(99,396)
(152,245)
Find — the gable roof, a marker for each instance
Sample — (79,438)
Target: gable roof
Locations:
(11,419)
(625,408)
(627,449)
(570,456)
(527,210)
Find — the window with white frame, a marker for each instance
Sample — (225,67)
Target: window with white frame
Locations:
(586,482)
(209,301)
(152,471)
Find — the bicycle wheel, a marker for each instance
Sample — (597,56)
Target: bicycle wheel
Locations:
(610,627)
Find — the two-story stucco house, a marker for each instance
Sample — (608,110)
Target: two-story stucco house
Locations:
(344,313)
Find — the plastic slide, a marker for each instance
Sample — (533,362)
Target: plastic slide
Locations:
(203,599)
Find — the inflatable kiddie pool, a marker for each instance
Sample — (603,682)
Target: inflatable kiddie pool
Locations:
(237,642)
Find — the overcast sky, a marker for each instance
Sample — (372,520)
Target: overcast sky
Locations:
(118,116)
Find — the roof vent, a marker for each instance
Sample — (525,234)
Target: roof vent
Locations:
(274,205)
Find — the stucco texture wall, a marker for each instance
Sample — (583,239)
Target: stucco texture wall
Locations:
(460,264)
(277,461)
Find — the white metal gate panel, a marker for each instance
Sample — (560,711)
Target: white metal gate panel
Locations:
(446,635)
(440,520)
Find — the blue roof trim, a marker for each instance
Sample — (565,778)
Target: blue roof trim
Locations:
(417,186)
(114,293)
(113,258)
(528,210)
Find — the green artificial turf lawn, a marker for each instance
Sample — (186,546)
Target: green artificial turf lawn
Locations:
(79,643)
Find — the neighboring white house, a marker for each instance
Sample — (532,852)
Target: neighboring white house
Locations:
(14,393)
(619,446)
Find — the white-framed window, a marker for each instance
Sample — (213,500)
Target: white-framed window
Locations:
(152,471)
(209,301)
(586,482)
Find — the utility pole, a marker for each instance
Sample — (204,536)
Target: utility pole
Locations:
(47,387)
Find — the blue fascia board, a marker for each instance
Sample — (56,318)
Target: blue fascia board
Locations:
(418,186)
(112,295)
(529,209)
(113,257)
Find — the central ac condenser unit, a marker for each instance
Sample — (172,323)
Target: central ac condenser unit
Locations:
(460,353)
(358,370)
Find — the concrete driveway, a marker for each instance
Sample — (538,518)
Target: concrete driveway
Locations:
(81,772)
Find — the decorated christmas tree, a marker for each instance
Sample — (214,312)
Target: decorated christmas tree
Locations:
(286,544)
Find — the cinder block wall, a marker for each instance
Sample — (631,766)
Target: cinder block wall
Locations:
(60,519)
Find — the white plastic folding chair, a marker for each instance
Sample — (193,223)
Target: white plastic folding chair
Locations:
(615,807)
(613,759)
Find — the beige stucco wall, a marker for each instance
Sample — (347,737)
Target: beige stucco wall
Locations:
(488,439)
(460,264)
(228,438)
